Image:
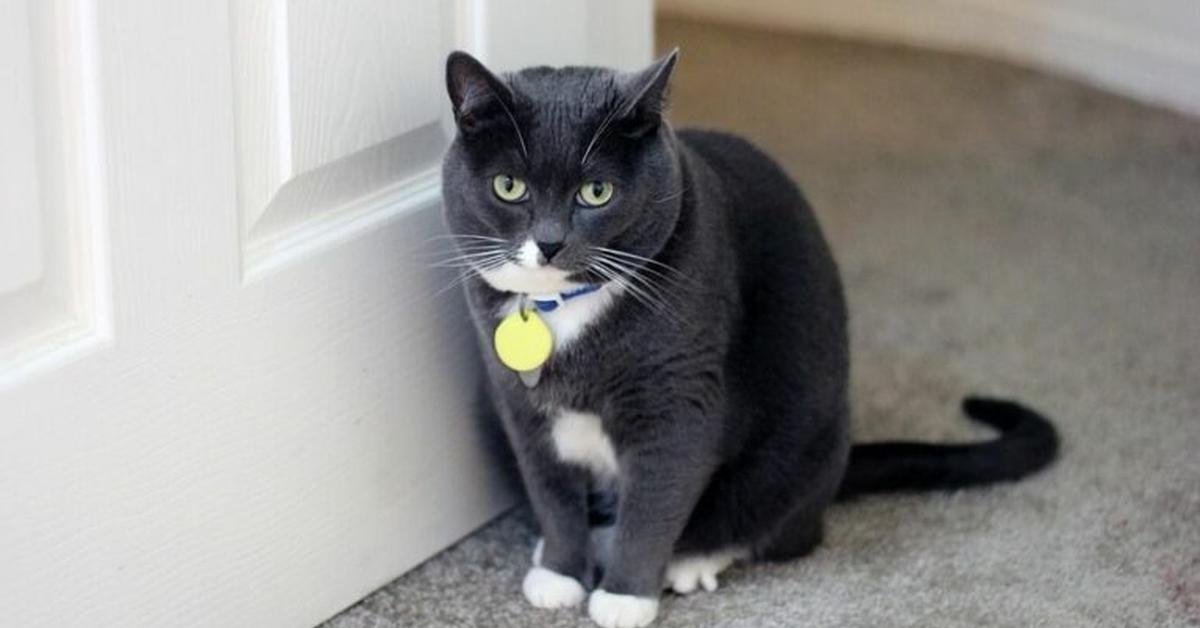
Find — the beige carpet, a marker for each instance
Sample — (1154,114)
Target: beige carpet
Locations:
(1000,231)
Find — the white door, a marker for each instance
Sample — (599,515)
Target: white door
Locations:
(227,394)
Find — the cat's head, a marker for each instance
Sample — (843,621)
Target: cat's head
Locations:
(552,166)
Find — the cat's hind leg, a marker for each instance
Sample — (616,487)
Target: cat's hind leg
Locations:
(687,574)
(799,536)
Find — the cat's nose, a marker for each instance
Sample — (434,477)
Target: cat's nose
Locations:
(548,249)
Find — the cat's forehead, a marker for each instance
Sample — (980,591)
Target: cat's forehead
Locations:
(568,90)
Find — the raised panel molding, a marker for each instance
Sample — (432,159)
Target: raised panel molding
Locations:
(55,301)
(20,205)
(340,122)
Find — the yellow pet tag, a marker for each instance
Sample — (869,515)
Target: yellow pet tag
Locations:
(523,341)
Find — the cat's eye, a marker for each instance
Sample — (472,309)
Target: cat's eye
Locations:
(594,193)
(509,188)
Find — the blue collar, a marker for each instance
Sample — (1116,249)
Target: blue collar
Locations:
(563,297)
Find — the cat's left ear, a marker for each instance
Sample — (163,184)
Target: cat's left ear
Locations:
(645,95)
(475,93)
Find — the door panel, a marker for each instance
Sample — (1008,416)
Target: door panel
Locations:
(340,122)
(54,302)
(228,395)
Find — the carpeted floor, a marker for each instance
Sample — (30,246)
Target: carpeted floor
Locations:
(1001,231)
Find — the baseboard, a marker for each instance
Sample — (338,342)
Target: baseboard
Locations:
(1120,56)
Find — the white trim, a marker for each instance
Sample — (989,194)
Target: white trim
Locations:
(97,270)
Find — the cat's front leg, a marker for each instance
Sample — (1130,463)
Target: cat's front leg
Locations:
(558,493)
(659,486)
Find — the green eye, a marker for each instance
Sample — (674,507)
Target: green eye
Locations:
(509,188)
(594,193)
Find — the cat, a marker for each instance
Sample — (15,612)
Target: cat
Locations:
(688,407)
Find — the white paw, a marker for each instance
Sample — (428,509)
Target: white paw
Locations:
(613,610)
(548,589)
(685,575)
(537,551)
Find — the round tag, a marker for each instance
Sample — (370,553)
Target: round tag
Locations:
(523,343)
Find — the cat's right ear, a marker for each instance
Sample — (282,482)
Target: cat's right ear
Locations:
(646,96)
(474,91)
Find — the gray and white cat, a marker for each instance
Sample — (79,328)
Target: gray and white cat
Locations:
(693,411)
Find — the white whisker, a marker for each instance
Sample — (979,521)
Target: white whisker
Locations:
(466,259)
(473,269)
(463,236)
(669,197)
(646,260)
(639,287)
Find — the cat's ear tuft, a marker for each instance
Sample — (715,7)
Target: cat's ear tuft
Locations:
(473,89)
(646,96)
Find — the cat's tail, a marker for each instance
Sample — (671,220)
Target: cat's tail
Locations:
(1027,443)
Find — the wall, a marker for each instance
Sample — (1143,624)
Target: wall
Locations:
(1147,50)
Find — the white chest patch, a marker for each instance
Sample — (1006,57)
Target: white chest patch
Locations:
(579,438)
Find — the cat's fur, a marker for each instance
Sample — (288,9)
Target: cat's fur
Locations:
(712,375)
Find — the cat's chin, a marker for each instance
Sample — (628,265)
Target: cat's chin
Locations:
(543,280)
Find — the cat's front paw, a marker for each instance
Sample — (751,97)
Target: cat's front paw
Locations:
(614,610)
(549,589)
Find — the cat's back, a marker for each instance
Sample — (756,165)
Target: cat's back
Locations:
(722,146)
(791,307)
(747,178)
(761,202)
(742,166)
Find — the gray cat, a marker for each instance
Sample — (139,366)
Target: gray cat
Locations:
(688,407)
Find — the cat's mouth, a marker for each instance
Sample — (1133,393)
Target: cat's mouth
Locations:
(527,272)
(515,276)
